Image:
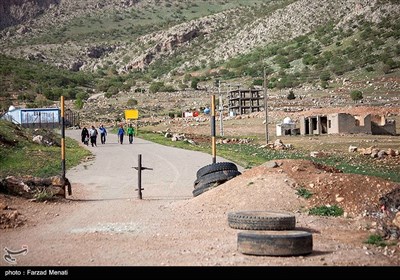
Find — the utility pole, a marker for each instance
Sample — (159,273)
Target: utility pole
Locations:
(266,107)
(213,143)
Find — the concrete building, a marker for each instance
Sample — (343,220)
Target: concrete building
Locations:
(245,101)
(347,124)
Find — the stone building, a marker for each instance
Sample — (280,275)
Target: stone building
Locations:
(347,124)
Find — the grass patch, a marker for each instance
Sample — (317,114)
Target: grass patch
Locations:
(375,239)
(43,195)
(330,211)
(20,156)
(251,155)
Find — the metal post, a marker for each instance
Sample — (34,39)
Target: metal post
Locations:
(140,176)
(139,168)
(213,146)
(63,146)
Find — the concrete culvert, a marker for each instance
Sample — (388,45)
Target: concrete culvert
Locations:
(275,243)
(261,220)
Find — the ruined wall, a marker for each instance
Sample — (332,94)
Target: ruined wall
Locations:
(354,124)
(389,128)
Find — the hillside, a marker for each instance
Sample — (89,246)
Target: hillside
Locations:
(125,47)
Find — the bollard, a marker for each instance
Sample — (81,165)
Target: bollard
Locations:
(139,168)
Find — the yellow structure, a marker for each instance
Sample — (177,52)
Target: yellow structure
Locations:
(131,114)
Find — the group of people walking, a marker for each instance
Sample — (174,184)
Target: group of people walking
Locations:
(92,133)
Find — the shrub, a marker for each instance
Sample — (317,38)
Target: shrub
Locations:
(325,76)
(291,95)
(376,239)
(131,102)
(194,83)
(79,103)
(43,195)
(303,192)
(356,95)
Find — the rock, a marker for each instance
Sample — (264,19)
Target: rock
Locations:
(38,139)
(271,164)
(317,154)
(381,154)
(391,152)
(352,149)
(396,220)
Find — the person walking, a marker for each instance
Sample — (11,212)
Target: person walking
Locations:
(131,132)
(103,134)
(121,133)
(85,136)
(93,136)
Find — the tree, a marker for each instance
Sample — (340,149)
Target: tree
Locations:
(291,95)
(194,83)
(356,95)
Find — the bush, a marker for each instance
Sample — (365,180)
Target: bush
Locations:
(43,195)
(79,103)
(131,102)
(325,76)
(303,192)
(194,83)
(291,95)
(375,239)
(356,95)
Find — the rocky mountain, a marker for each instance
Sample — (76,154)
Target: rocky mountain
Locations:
(217,35)
(131,45)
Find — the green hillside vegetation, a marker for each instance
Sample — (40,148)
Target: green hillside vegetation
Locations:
(315,58)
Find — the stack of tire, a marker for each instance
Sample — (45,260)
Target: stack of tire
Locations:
(269,233)
(212,175)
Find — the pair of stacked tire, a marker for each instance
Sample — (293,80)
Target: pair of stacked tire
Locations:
(212,175)
(269,233)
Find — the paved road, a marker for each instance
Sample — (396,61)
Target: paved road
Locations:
(105,223)
(112,174)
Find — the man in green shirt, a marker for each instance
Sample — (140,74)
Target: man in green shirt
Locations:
(130,131)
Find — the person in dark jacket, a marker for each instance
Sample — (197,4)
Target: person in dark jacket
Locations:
(85,136)
(121,133)
(103,134)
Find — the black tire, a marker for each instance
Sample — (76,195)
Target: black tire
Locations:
(275,243)
(205,187)
(216,177)
(219,166)
(261,220)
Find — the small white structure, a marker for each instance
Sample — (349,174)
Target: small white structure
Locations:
(287,127)
(34,117)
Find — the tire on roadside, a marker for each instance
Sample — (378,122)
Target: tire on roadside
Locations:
(205,187)
(213,180)
(216,176)
(214,167)
(275,243)
(261,220)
